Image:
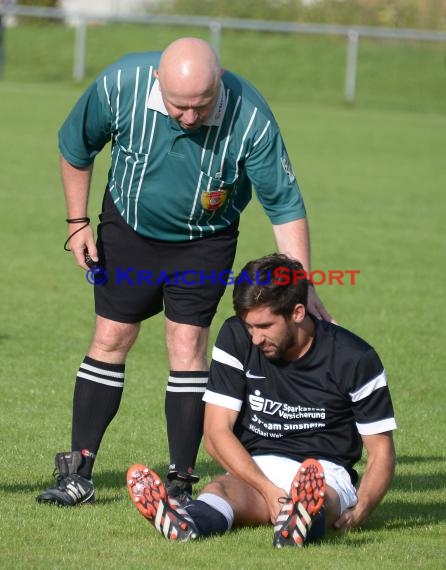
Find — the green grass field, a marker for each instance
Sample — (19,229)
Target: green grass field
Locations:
(374,181)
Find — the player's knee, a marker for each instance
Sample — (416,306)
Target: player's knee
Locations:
(332,506)
(186,346)
(217,486)
(110,336)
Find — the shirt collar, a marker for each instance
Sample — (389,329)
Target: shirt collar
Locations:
(155,103)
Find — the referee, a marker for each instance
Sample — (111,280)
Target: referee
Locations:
(189,140)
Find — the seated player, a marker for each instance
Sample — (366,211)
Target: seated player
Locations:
(290,404)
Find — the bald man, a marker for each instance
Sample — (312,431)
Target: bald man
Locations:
(188,142)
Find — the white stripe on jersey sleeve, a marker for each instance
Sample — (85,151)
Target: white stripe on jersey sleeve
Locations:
(262,134)
(374,428)
(106,91)
(222,400)
(223,357)
(377,382)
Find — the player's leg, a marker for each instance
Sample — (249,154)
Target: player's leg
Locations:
(121,303)
(227,493)
(99,386)
(340,491)
(191,302)
(120,306)
(186,346)
(184,408)
(224,501)
(97,396)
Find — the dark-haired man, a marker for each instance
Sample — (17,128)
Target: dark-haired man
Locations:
(290,403)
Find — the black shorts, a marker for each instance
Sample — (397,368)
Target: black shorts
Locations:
(145,275)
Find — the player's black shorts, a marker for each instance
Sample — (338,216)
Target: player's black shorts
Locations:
(144,275)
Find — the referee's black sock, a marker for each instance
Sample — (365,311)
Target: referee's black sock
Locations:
(97,395)
(184,415)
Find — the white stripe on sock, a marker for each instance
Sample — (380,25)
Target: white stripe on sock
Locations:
(188,380)
(101,371)
(100,380)
(220,505)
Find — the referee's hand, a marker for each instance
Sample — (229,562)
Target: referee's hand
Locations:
(316,307)
(82,245)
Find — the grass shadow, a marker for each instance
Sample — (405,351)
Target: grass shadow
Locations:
(419,482)
(392,514)
(206,469)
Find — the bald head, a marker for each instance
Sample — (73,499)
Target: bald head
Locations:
(190,67)
(189,75)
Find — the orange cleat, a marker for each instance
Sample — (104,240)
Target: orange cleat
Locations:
(149,496)
(307,496)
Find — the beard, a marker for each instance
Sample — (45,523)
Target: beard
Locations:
(276,350)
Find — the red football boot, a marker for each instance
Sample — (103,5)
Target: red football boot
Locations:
(149,496)
(306,499)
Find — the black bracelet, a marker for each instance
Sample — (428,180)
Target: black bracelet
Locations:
(310,283)
(78,220)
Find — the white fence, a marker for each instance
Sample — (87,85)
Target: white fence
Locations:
(216,26)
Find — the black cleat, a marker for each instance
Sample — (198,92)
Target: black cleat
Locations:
(71,489)
(180,491)
(179,486)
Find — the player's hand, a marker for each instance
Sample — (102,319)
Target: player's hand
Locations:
(316,307)
(350,518)
(81,244)
(275,501)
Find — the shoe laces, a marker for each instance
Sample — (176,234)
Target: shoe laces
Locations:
(180,491)
(60,478)
(182,477)
(63,480)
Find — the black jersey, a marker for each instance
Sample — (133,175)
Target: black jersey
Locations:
(318,405)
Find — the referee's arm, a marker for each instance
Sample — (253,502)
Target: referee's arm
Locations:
(76,183)
(292,239)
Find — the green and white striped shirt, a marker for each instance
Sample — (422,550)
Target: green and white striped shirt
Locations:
(176,185)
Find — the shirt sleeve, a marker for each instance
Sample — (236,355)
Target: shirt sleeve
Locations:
(370,397)
(270,171)
(87,128)
(227,385)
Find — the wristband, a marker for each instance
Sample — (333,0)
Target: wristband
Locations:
(85,220)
